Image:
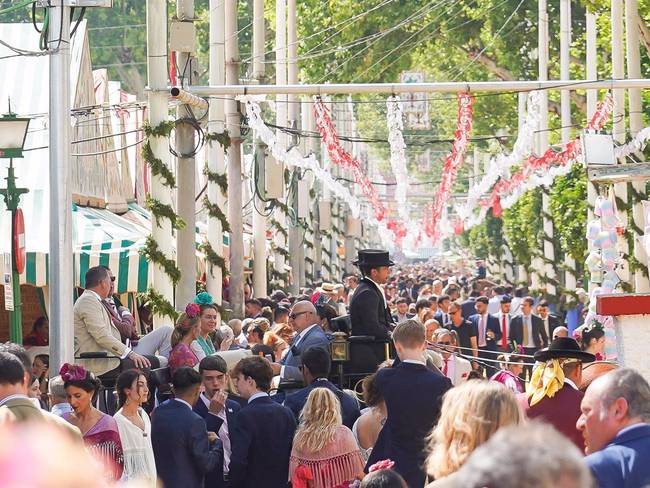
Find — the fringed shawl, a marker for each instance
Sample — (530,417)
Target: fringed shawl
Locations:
(336,464)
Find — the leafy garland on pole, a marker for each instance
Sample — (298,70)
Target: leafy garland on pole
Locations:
(157,303)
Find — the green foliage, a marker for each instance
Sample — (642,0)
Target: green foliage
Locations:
(215,212)
(213,258)
(522,226)
(158,304)
(220,179)
(152,252)
(161,210)
(158,168)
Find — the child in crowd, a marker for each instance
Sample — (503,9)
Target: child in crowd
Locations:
(511,368)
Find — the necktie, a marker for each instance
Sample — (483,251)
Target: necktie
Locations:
(525,321)
(504,334)
(481,332)
(444,367)
(446,319)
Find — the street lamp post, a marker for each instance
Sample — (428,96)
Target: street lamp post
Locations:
(13,131)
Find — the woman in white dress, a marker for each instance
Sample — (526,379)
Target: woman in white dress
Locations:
(135,428)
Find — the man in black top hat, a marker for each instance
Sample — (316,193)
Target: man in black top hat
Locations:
(369,313)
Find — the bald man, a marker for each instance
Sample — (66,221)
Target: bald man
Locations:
(304,321)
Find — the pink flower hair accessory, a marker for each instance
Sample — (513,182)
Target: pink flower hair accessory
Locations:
(383,464)
(72,372)
(192,310)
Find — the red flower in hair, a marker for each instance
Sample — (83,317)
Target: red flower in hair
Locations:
(72,372)
(192,310)
(379,465)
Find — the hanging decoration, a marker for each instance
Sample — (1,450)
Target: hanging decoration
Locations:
(292,157)
(339,156)
(637,144)
(538,171)
(451,166)
(499,165)
(395,122)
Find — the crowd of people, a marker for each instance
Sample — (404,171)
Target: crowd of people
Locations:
(486,386)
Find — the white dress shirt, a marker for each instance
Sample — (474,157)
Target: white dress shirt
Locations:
(528,323)
(223,433)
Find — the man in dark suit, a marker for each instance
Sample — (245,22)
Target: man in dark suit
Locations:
(412,394)
(181,442)
(218,411)
(487,331)
(303,318)
(442,315)
(402,310)
(263,433)
(369,311)
(559,408)
(616,429)
(528,330)
(316,365)
(551,321)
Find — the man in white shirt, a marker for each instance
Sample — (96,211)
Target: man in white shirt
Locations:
(454,367)
(495,302)
(218,411)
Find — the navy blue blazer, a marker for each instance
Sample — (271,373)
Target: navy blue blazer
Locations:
(261,445)
(413,397)
(314,337)
(623,463)
(468,308)
(349,406)
(493,325)
(214,478)
(180,446)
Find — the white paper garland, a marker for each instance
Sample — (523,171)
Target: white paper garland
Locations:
(499,166)
(395,122)
(637,144)
(293,157)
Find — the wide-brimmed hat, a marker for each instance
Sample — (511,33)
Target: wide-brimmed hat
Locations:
(373,258)
(564,348)
(327,287)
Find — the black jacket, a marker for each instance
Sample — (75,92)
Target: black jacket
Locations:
(539,334)
(368,314)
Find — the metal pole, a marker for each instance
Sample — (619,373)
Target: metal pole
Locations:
(565,101)
(547,245)
(259,220)
(61,282)
(618,116)
(186,171)
(389,88)
(281,117)
(296,250)
(216,154)
(234,165)
(641,283)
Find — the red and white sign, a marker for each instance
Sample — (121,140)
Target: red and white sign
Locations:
(19,241)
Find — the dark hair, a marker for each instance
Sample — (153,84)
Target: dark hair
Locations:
(498,290)
(543,303)
(256,329)
(279,311)
(475,294)
(90,384)
(401,300)
(39,322)
(267,313)
(442,298)
(263,350)
(18,351)
(318,361)
(125,380)
(185,378)
(256,368)
(213,363)
(45,359)
(506,299)
(507,289)
(371,394)
(205,306)
(422,303)
(529,300)
(593,331)
(483,300)
(254,301)
(519,292)
(95,275)
(383,478)
(12,371)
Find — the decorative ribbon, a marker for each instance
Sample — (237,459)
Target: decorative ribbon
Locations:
(395,124)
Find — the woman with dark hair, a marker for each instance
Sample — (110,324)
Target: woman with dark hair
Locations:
(188,328)
(592,339)
(135,428)
(203,345)
(100,432)
(40,334)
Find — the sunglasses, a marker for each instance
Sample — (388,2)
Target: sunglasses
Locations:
(295,315)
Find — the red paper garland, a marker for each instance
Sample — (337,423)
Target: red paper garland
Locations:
(570,151)
(451,166)
(340,156)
